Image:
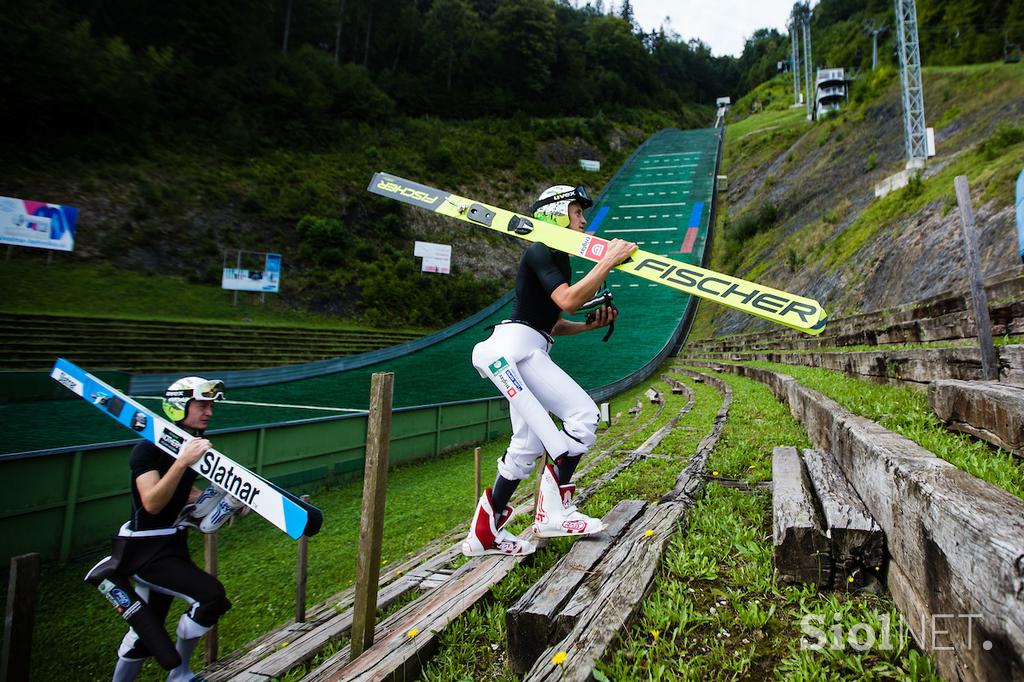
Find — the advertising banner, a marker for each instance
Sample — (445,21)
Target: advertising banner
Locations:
(267,280)
(436,257)
(37,224)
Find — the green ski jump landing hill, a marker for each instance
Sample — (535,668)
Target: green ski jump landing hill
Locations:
(661,198)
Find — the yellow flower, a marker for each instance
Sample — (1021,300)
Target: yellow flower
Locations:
(399,573)
(655,633)
(851,579)
(413,632)
(559,658)
(648,533)
(714,473)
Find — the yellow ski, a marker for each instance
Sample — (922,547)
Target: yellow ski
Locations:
(800,313)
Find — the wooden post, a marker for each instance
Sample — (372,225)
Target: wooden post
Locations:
(541,462)
(300,576)
(210,556)
(378,436)
(476,474)
(22,589)
(979,299)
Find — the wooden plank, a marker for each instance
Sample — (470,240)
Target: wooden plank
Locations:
(979,298)
(609,599)
(371,528)
(19,618)
(653,394)
(857,543)
(957,540)
(991,411)
(398,654)
(919,365)
(304,649)
(530,621)
(802,551)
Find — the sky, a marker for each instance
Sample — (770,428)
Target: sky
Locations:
(722,24)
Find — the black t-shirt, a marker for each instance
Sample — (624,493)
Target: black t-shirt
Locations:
(148,457)
(541,271)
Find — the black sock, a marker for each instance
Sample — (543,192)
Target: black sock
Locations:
(501,493)
(566,467)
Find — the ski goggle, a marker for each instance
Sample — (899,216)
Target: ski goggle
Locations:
(210,390)
(578,194)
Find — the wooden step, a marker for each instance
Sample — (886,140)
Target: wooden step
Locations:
(802,551)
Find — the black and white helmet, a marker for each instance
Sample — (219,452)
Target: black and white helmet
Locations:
(183,391)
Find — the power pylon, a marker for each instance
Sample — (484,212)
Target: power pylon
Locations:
(909,49)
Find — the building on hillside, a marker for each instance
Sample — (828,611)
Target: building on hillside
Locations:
(831,91)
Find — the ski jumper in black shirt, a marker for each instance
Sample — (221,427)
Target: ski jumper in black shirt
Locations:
(152,550)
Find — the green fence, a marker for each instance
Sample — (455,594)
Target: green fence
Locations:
(71,499)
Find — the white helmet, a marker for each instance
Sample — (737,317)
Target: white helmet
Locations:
(553,203)
(183,391)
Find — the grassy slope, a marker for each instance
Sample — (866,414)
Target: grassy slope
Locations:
(100,290)
(964,105)
(174,211)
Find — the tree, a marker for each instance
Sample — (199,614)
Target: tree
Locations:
(526,41)
(451,27)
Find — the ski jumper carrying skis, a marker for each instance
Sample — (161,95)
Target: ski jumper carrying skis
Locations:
(515,357)
(151,549)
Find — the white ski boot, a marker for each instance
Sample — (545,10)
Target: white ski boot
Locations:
(557,516)
(487,535)
(225,509)
(193,514)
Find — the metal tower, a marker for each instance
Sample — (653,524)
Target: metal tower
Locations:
(910,76)
(808,65)
(794,60)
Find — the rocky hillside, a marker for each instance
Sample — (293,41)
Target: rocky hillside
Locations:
(800,212)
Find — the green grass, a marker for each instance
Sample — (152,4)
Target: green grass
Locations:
(715,611)
(101,290)
(906,412)
(764,123)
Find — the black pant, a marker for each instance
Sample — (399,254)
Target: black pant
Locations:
(167,573)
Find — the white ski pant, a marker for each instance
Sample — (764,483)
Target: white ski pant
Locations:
(516,359)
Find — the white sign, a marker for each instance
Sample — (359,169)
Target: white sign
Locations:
(238,279)
(588,165)
(37,224)
(267,280)
(436,257)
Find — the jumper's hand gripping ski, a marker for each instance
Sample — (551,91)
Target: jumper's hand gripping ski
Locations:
(778,306)
(280,507)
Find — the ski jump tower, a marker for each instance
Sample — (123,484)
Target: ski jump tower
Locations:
(915,133)
(800,29)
